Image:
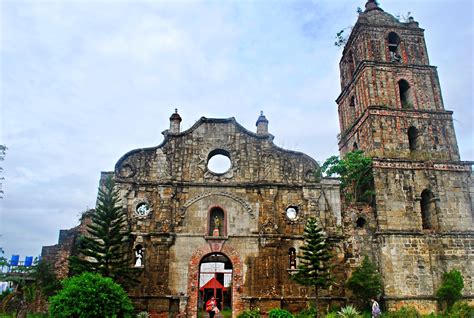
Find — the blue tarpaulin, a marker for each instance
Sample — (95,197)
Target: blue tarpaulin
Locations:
(15,259)
(28,260)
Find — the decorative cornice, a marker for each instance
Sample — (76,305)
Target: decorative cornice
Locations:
(201,196)
(459,166)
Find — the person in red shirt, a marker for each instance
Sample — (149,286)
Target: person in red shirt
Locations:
(211,307)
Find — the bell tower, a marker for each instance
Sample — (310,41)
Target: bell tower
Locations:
(391,107)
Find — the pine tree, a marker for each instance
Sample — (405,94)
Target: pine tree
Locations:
(314,267)
(104,249)
(365,282)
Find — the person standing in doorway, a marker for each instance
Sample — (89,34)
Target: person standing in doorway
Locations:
(211,306)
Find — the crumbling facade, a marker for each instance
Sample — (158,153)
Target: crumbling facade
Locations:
(186,216)
(391,108)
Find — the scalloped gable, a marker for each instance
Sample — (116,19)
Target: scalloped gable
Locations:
(183,156)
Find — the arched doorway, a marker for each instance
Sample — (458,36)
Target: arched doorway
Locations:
(215,279)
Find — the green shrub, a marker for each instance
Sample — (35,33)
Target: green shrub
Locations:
(279,313)
(307,313)
(348,312)
(254,313)
(90,295)
(332,314)
(461,310)
(404,312)
(450,290)
(143,314)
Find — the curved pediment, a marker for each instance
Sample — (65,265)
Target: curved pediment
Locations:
(184,156)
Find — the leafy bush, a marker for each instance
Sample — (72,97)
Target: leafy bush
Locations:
(451,286)
(254,313)
(90,295)
(307,313)
(279,313)
(332,314)
(404,312)
(143,314)
(365,282)
(348,312)
(461,310)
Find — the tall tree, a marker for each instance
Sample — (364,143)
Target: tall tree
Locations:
(104,249)
(365,282)
(314,268)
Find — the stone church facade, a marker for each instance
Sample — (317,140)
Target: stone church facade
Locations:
(186,217)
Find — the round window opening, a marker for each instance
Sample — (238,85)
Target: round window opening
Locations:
(292,213)
(219,162)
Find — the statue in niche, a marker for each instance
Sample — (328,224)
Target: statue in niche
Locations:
(292,258)
(217,224)
(138,256)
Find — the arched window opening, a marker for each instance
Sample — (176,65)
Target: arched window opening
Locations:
(428,209)
(394,47)
(405,94)
(350,60)
(292,258)
(217,222)
(215,280)
(352,102)
(354,146)
(360,223)
(413,138)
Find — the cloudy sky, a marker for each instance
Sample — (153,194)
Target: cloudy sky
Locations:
(83,82)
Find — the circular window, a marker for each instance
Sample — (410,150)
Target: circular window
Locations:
(292,213)
(143,209)
(219,161)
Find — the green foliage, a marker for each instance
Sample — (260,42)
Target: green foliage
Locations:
(348,312)
(90,295)
(332,314)
(307,313)
(365,282)
(279,313)
(314,267)
(143,314)
(461,310)
(105,249)
(45,279)
(226,313)
(451,286)
(404,312)
(355,172)
(29,282)
(253,313)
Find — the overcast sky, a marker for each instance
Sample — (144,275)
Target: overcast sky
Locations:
(83,82)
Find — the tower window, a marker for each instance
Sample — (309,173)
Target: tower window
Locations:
(405,94)
(428,209)
(393,47)
(355,146)
(352,103)
(413,138)
(350,60)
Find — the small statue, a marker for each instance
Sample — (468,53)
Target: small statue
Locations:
(292,259)
(138,256)
(217,222)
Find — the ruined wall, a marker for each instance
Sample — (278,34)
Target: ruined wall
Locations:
(180,191)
